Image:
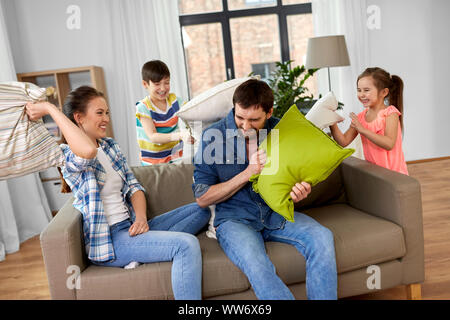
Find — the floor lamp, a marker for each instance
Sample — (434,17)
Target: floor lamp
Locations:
(328,51)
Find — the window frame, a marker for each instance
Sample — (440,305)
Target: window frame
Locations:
(223,17)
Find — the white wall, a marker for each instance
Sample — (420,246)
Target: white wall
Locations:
(40,40)
(414,43)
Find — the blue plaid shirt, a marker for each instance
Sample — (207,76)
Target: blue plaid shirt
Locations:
(86,178)
(245,206)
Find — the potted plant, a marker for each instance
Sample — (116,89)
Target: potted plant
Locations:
(288,88)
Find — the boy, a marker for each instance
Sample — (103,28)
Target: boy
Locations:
(158,136)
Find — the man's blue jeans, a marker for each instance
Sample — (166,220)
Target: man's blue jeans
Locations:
(170,238)
(245,247)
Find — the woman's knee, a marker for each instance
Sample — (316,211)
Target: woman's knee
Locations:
(188,242)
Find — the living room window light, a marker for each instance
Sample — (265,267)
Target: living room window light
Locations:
(225,39)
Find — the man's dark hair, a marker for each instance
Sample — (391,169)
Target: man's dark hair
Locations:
(254,92)
(155,71)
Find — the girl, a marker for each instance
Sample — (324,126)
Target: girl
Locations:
(379,125)
(112,202)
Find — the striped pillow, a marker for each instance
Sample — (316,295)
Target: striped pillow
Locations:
(25,146)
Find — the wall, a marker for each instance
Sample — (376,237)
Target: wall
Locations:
(413,42)
(40,40)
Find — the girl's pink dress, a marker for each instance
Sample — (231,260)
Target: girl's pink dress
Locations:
(392,159)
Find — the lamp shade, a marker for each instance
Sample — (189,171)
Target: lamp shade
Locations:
(329,51)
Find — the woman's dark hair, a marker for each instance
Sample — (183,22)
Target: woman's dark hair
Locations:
(76,102)
(155,71)
(382,79)
(254,92)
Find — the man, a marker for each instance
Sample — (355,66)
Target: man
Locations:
(243,220)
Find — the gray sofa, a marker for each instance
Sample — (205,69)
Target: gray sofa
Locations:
(375,216)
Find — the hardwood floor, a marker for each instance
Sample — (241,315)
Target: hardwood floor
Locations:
(22,274)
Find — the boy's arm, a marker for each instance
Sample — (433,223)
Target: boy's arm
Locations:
(154,136)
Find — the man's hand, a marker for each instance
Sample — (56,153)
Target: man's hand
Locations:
(300,191)
(139,226)
(257,162)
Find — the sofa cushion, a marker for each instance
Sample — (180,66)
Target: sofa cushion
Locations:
(148,281)
(167,186)
(360,240)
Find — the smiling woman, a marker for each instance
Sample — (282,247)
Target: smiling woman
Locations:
(112,202)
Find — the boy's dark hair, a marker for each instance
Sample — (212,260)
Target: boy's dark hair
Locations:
(254,92)
(155,71)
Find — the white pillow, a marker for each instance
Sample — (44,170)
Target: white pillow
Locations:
(213,104)
(322,114)
(208,107)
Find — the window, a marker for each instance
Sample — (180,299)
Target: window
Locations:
(227,39)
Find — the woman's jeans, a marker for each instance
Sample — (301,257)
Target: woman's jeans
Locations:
(170,238)
(245,247)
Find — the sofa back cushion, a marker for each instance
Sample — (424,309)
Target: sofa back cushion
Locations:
(327,192)
(168,186)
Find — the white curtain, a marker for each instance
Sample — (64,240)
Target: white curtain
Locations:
(141,30)
(349,18)
(24,210)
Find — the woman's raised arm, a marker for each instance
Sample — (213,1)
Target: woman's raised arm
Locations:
(78,141)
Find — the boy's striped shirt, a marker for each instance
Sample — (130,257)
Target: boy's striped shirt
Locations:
(165,122)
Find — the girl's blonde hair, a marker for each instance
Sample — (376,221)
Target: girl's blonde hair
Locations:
(382,79)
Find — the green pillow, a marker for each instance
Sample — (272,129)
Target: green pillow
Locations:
(306,153)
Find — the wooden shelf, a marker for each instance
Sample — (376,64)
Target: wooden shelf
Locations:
(61,81)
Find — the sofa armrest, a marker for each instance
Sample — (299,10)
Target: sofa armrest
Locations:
(394,197)
(62,246)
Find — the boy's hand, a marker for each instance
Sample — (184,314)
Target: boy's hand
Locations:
(139,226)
(186,137)
(300,191)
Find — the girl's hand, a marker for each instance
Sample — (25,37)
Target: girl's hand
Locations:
(355,122)
(300,191)
(37,110)
(138,227)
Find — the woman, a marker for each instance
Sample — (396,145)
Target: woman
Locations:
(112,202)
